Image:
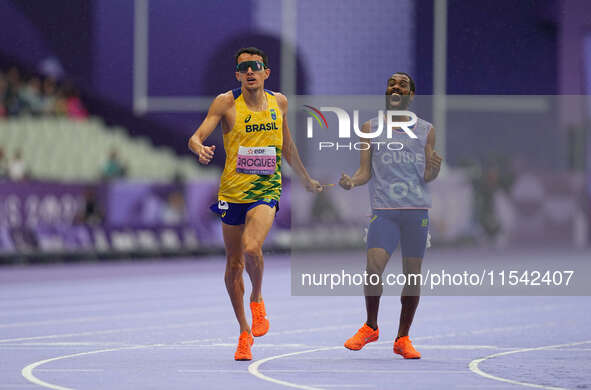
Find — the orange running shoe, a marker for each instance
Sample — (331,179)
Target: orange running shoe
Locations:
(243,350)
(364,335)
(260,324)
(403,346)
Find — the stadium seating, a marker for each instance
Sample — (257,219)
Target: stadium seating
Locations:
(65,150)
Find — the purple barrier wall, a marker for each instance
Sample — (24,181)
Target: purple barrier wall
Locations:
(122,216)
(32,211)
(39,203)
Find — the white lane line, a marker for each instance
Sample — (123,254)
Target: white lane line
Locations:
(190,371)
(183,325)
(120,330)
(70,370)
(443,346)
(253,368)
(476,362)
(74,344)
(427,371)
(64,299)
(292,331)
(27,371)
(346,386)
(576,349)
(84,307)
(480,386)
(261,345)
(328,371)
(75,320)
(212,371)
(384,346)
(53,307)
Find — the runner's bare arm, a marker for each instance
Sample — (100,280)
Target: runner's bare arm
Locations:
(363,174)
(290,152)
(215,113)
(433,163)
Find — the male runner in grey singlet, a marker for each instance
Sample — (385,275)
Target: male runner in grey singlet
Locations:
(399,168)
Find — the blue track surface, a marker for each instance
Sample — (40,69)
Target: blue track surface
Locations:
(169,325)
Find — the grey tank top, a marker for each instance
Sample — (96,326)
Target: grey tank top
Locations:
(398,168)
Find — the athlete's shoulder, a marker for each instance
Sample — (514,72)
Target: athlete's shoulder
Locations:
(223,101)
(424,123)
(278,95)
(281,99)
(221,104)
(225,98)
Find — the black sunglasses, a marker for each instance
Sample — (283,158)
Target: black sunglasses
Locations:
(256,66)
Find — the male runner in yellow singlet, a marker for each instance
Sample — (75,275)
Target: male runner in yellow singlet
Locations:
(256,140)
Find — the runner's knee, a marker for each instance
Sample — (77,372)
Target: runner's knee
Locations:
(375,266)
(411,265)
(252,250)
(253,254)
(235,265)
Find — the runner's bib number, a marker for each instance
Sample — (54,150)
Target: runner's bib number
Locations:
(256,160)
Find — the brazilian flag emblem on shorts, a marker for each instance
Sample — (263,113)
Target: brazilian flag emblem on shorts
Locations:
(425,222)
(273,114)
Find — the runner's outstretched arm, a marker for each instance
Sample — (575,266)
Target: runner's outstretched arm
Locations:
(363,173)
(290,151)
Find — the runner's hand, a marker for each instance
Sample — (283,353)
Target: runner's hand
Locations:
(206,154)
(314,186)
(435,161)
(346,182)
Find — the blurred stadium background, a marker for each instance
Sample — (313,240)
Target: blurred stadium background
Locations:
(99,98)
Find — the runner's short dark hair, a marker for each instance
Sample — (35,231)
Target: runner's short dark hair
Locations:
(412,82)
(252,50)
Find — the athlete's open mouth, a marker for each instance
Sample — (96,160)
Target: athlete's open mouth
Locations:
(251,79)
(395,98)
